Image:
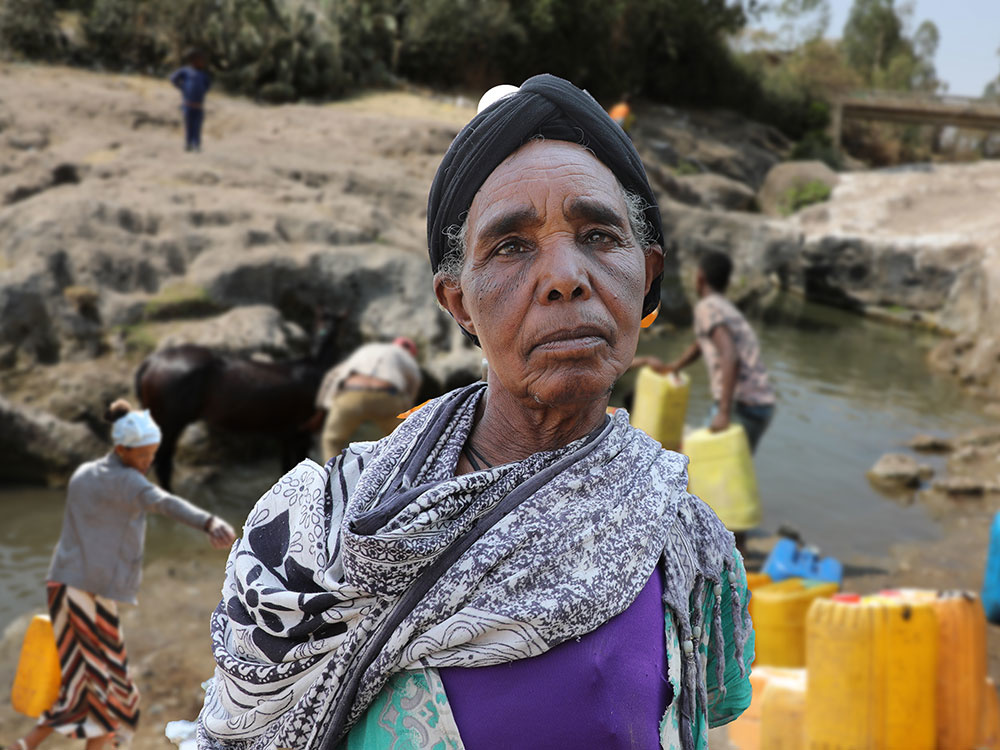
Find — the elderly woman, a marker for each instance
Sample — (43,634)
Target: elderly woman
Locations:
(510,568)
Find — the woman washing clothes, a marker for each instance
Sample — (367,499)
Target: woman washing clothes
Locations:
(511,567)
(97,563)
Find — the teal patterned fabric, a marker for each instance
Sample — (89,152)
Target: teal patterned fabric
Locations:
(412,711)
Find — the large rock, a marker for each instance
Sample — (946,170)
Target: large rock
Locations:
(382,292)
(719,142)
(897,472)
(762,249)
(254,329)
(716,191)
(918,243)
(793,175)
(37,446)
(858,271)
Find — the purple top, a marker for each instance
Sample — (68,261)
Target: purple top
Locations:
(607,689)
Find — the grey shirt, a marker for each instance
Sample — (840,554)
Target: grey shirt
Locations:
(104,527)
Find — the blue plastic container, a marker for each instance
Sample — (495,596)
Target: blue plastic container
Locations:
(991,578)
(789,559)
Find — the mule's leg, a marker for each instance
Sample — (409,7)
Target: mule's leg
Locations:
(164,461)
(294,449)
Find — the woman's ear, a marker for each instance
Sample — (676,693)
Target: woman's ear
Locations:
(654,264)
(452,299)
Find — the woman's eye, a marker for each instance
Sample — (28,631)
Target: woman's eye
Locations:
(596,236)
(510,247)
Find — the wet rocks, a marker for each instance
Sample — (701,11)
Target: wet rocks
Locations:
(930,444)
(965,487)
(919,240)
(897,472)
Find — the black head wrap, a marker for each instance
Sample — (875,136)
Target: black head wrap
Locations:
(556,110)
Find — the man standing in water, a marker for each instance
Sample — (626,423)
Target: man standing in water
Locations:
(194,82)
(741,388)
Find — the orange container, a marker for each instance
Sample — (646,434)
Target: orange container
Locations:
(872,674)
(36,683)
(961,665)
(754,582)
(989,733)
(783,712)
(745,732)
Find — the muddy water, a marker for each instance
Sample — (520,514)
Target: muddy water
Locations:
(849,390)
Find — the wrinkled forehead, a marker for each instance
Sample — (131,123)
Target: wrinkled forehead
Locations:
(567,170)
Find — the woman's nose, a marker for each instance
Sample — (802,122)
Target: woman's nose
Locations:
(563,275)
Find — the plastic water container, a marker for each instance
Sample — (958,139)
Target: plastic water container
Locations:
(661,403)
(991,577)
(754,582)
(961,666)
(788,559)
(872,674)
(779,620)
(721,473)
(745,732)
(36,684)
(989,733)
(783,712)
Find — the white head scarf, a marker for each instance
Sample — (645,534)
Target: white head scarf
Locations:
(135,429)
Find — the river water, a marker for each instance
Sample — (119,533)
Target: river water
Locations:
(850,389)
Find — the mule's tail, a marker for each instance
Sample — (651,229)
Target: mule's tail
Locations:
(140,371)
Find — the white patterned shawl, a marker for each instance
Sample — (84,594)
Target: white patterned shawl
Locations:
(385,561)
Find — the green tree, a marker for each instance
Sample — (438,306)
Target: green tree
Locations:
(126,33)
(876,44)
(801,21)
(29,28)
(872,36)
(992,90)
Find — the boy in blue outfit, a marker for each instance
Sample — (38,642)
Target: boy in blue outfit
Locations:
(193,81)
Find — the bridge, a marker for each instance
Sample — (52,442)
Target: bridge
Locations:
(915,109)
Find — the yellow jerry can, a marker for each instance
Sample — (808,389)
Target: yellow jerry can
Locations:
(744,732)
(779,620)
(872,672)
(989,732)
(36,684)
(754,582)
(721,473)
(961,667)
(660,406)
(783,712)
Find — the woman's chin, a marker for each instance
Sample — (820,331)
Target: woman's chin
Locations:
(578,389)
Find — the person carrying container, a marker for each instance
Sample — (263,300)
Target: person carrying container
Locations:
(194,81)
(376,383)
(97,563)
(741,388)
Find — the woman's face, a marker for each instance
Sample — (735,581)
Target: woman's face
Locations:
(140,458)
(553,279)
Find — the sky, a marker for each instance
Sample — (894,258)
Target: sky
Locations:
(970,36)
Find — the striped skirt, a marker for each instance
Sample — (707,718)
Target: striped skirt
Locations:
(97,696)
